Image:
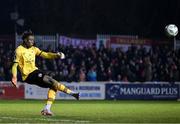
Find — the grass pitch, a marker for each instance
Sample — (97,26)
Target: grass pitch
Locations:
(28,111)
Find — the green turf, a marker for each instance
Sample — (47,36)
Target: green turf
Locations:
(28,111)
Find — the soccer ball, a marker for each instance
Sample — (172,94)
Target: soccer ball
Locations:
(171,30)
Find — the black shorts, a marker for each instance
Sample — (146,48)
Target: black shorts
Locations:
(36,78)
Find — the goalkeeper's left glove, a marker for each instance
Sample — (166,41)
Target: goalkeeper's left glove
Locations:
(61,55)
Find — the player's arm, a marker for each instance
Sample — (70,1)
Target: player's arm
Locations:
(14,68)
(14,74)
(49,55)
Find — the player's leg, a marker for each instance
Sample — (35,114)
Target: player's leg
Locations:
(54,87)
(59,87)
(39,78)
(36,78)
(50,99)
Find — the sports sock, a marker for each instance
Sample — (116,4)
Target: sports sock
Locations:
(63,88)
(47,107)
(51,97)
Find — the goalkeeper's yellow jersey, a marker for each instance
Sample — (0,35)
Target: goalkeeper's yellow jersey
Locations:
(25,57)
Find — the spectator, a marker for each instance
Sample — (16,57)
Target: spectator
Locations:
(72,74)
(82,75)
(2,75)
(92,76)
(147,69)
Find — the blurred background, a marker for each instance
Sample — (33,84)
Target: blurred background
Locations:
(108,40)
(145,18)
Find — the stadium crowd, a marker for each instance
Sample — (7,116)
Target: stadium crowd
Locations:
(104,64)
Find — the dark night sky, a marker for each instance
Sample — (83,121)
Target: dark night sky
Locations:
(146,18)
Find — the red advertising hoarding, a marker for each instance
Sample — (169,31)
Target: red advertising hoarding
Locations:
(8,91)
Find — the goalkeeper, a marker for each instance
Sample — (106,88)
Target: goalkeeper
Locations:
(24,60)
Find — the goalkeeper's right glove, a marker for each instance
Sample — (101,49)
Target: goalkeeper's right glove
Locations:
(61,55)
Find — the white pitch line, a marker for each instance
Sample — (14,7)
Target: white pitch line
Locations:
(44,119)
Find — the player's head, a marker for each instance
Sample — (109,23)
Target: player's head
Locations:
(28,39)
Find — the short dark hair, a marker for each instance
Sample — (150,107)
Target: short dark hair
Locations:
(27,34)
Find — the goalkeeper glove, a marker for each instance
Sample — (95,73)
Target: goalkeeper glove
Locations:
(61,55)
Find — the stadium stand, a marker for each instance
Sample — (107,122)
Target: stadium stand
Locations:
(103,64)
